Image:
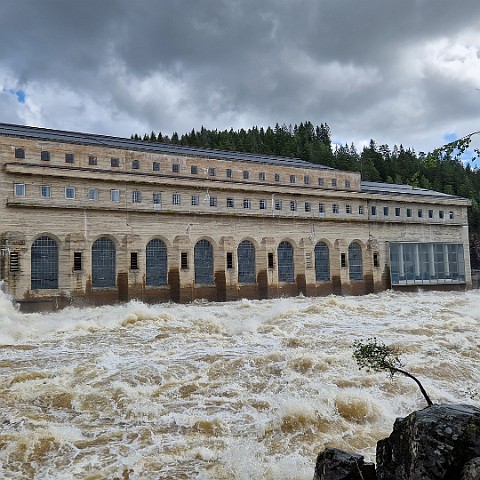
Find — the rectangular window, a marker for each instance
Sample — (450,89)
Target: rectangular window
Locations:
(175,167)
(373,210)
(157,200)
(397,211)
(246,174)
(230,202)
(213,201)
(450,215)
(375,260)
(229,173)
(92,160)
(277,177)
(133,261)
(361,210)
(136,196)
(321,181)
(229,260)
(430,213)
(261,176)
(321,208)
(93,193)
(420,213)
(385,211)
(77,261)
(308,207)
(348,208)
(115,195)
(343,260)
(262,204)
(114,162)
(335,208)
(334,182)
(19,189)
(278,204)
(69,158)
(193,169)
(246,203)
(14,262)
(441,214)
(135,164)
(292,179)
(195,200)
(212,171)
(184,260)
(45,191)
(156,166)
(409,212)
(347,183)
(293,206)
(44,155)
(176,199)
(306,179)
(19,153)
(271,263)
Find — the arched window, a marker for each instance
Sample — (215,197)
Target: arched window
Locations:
(156,263)
(322,264)
(285,263)
(103,263)
(355,269)
(203,261)
(246,262)
(44,272)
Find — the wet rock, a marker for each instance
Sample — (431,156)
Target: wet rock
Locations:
(439,442)
(334,464)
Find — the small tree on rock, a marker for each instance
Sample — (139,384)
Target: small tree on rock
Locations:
(378,357)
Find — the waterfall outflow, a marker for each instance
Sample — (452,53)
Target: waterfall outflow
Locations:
(247,389)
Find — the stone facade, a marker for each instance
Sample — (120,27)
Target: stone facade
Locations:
(87,219)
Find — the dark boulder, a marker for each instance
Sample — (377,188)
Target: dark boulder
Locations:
(439,442)
(334,464)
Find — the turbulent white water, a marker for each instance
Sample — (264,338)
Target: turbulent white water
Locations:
(241,390)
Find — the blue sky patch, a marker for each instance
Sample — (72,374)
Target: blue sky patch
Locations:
(20,94)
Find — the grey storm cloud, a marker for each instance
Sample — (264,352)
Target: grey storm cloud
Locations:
(398,72)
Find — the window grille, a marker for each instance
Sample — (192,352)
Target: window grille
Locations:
(184,261)
(230,202)
(14,262)
(69,158)
(19,153)
(213,201)
(246,262)
(44,264)
(175,167)
(77,261)
(44,155)
(246,174)
(285,262)
(70,193)
(45,191)
(322,262)
(262,204)
(136,197)
(355,261)
(195,200)
(103,263)
(203,262)
(133,261)
(176,199)
(335,208)
(212,172)
(293,206)
(246,203)
(348,208)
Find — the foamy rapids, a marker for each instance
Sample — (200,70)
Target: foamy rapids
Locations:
(240,390)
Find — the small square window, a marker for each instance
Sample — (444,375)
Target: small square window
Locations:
(212,172)
(306,179)
(385,211)
(261,176)
(397,211)
(373,210)
(44,155)
(115,195)
(409,212)
(347,183)
(441,214)
(361,210)
(277,177)
(278,204)
(69,158)
(292,179)
(114,162)
(420,213)
(348,208)
(69,193)
(450,215)
(334,182)
(308,207)
(335,208)
(135,164)
(246,174)
(262,204)
(92,160)
(321,208)
(93,194)
(19,153)
(293,206)
(213,201)
(156,166)
(230,202)
(19,189)
(136,196)
(157,199)
(195,200)
(193,169)
(175,167)
(246,203)
(45,191)
(430,214)
(229,173)
(321,181)
(176,199)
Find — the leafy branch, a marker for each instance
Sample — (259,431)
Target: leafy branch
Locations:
(378,357)
(457,147)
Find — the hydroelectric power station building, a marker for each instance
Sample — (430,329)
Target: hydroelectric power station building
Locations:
(90,219)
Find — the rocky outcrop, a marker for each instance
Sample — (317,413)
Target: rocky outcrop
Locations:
(440,442)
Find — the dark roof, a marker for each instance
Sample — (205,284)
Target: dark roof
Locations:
(139,145)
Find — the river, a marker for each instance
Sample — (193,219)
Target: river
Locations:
(240,390)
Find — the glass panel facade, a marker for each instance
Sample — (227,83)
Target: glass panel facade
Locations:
(203,261)
(322,265)
(285,263)
(246,262)
(426,263)
(103,263)
(44,263)
(355,269)
(156,263)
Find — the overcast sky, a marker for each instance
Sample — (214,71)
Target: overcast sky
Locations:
(398,71)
